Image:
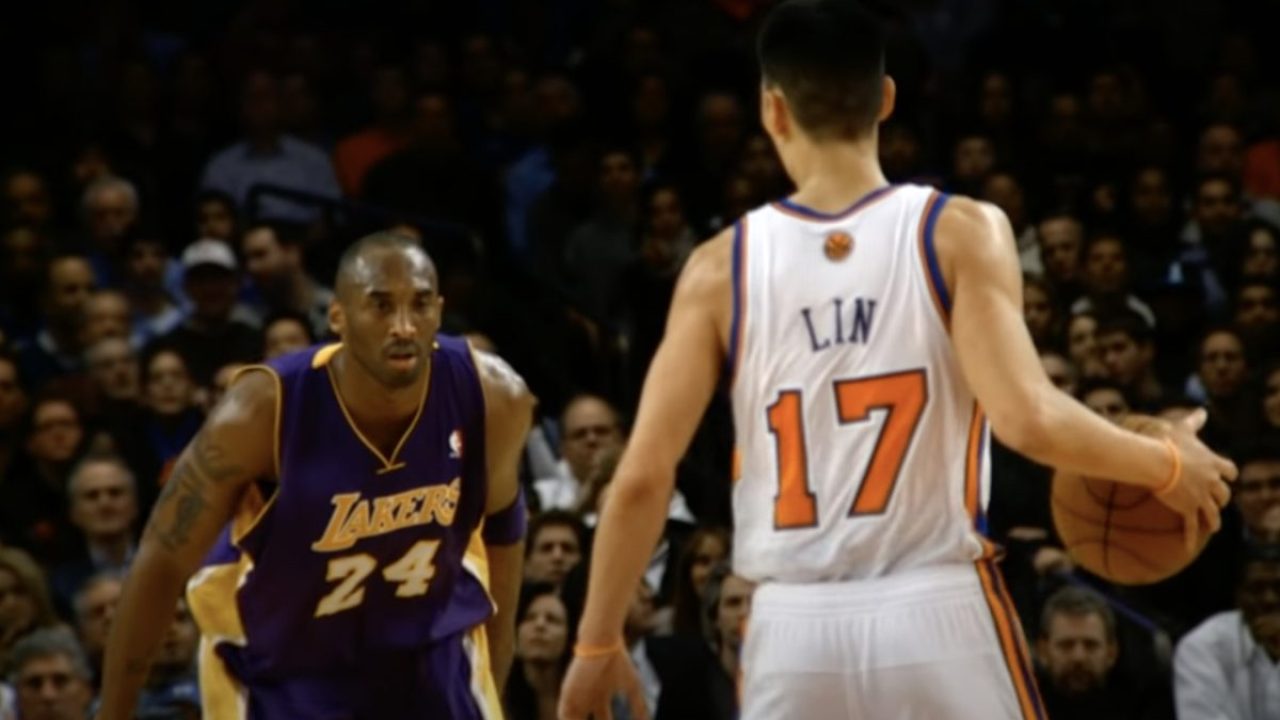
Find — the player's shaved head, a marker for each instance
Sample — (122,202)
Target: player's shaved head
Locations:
(356,267)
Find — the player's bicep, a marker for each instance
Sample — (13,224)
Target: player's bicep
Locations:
(988,331)
(508,417)
(234,447)
(685,369)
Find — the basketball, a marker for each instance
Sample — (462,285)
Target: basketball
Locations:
(1121,532)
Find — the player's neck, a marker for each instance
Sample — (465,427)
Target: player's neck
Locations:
(369,400)
(830,177)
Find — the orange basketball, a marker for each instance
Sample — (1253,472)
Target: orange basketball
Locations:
(1117,531)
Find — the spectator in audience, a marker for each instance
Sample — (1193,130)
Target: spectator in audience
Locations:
(266,155)
(171,690)
(1083,347)
(597,252)
(23,266)
(286,332)
(1106,398)
(156,305)
(107,315)
(387,134)
(706,548)
(211,336)
(13,407)
(1129,354)
(637,630)
(1061,244)
(94,605)
(542,654)
(170,419)
(1261,259)
(274,260)
(110,208)
(1221,370)
(431,175)
(554,547)
(1039,310)
(1257,491)
(216,216)
(56,351)
(27,200)
(113,368)
(1226,667)
(1106,281)
(25,606)
(104,507)
(1004,190)
(33,500)
(972,161)
(666,239)
(1257,318)
(589,428)
(1076,653)
(51,677)
(1061,372)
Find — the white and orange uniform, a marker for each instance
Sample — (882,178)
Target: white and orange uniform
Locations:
(862,476)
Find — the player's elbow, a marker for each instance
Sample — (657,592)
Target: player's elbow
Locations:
(1023,427)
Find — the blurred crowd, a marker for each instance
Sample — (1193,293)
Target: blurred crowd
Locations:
(177,183)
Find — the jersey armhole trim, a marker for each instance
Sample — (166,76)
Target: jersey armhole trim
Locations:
(929,256)
(733,357)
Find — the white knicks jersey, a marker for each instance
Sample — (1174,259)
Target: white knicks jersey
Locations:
(860,449)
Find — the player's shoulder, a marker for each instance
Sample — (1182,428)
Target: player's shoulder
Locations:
(503,387)
(709,268)
(972,228)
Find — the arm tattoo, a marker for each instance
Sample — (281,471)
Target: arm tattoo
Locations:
(206,464)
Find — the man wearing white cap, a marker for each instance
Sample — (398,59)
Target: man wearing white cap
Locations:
(210,336)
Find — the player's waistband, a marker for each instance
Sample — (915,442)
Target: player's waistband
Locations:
(917,585)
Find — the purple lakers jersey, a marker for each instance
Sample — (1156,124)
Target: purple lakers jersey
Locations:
(354,563)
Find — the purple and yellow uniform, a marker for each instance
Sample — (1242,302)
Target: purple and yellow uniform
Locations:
(359,587)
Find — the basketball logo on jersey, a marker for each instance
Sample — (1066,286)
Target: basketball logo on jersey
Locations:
(838,246)
(455,445)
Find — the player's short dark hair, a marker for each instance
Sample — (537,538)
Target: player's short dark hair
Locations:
(827,58)
(1128,322)
(381,240)
(1077,601)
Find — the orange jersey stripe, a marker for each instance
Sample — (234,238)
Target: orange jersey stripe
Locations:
(924,260)
(1012,644)
(973,464)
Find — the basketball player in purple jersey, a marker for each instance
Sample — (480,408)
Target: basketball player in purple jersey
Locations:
(349,521)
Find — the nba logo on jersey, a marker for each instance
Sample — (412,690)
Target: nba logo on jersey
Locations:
(455,445)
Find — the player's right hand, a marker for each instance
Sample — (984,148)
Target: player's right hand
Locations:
(1201,491)
(590,684)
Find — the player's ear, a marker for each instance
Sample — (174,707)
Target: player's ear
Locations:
(888,97)
(337,319)
(773,112)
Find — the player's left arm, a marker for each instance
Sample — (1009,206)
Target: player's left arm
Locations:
(508,416)
(682,377)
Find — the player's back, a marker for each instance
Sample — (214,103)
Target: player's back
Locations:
(861,450)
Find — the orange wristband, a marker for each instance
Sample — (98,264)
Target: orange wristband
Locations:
(595,651)
(1174,476)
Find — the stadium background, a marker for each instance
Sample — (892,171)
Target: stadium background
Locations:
(560,158)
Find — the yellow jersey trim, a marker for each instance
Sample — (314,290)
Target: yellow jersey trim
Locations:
(388,463)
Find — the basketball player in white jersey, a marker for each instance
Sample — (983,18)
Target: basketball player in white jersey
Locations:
(870,335)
